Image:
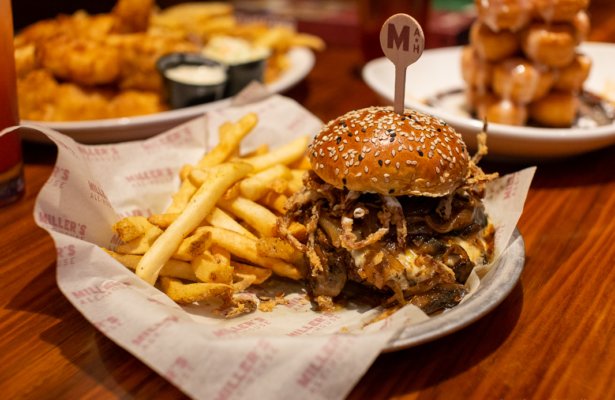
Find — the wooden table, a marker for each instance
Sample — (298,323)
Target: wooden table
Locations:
(552,337)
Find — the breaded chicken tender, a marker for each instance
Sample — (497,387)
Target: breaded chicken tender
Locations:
(93,66)
(82,61)
(42,98)
(139,53)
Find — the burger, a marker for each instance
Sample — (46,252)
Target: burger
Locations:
(393,203)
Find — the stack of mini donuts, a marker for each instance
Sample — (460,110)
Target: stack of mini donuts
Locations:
(523,65)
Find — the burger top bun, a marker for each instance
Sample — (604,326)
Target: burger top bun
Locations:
(380,151)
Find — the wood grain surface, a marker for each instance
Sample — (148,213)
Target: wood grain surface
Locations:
(552,337)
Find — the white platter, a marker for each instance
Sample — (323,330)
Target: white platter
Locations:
(141,127)
(494,288)
(438,71)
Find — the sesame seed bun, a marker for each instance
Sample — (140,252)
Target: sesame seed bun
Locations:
(380,151)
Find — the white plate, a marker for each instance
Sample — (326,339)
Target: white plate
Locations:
(493,289)
(438,71)
(140,127)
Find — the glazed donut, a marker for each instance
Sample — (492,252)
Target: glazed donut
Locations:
(557,109)
(571,77)
(504,14)
(501,111)
(581,25)
(521,81)
(559,10)
(475,96)
(475,72)
(491,45)
(552,45)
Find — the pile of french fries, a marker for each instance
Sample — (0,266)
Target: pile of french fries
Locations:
(205,20)
(218,236)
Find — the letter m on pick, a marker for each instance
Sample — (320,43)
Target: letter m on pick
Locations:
(400,40)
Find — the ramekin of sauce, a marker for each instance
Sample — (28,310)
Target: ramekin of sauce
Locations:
(190,79)
(245,62)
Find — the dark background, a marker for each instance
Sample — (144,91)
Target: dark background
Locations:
(26,12)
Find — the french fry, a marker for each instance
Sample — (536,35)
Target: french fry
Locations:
(261,149)
(231,135)
(275,201)
(261,274)
(130,228)
(301,164)
(180,198)
(278,248)
(216,217)
(185,171)
(306,40)
(279,185)
(245,248)
(141,244)
(244,282)
(172,268)
(255,186)
(200,205)
(284,154)
(252,213)
(186,293)
(296,182)
(213,268)
(273,38)
(162,221)
(220,219)
(298,230)
(192,246)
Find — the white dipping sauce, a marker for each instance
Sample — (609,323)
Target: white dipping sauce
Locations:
(197,74)
(233,51)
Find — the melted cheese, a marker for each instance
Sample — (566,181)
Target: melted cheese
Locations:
(474,253)
(413,271)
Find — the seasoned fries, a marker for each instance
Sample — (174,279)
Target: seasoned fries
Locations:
(245,248)
(201,204)
(256,216)
(172,268)
(186,293)
(231,135)
(254,187)
(285,154)
(218,236)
